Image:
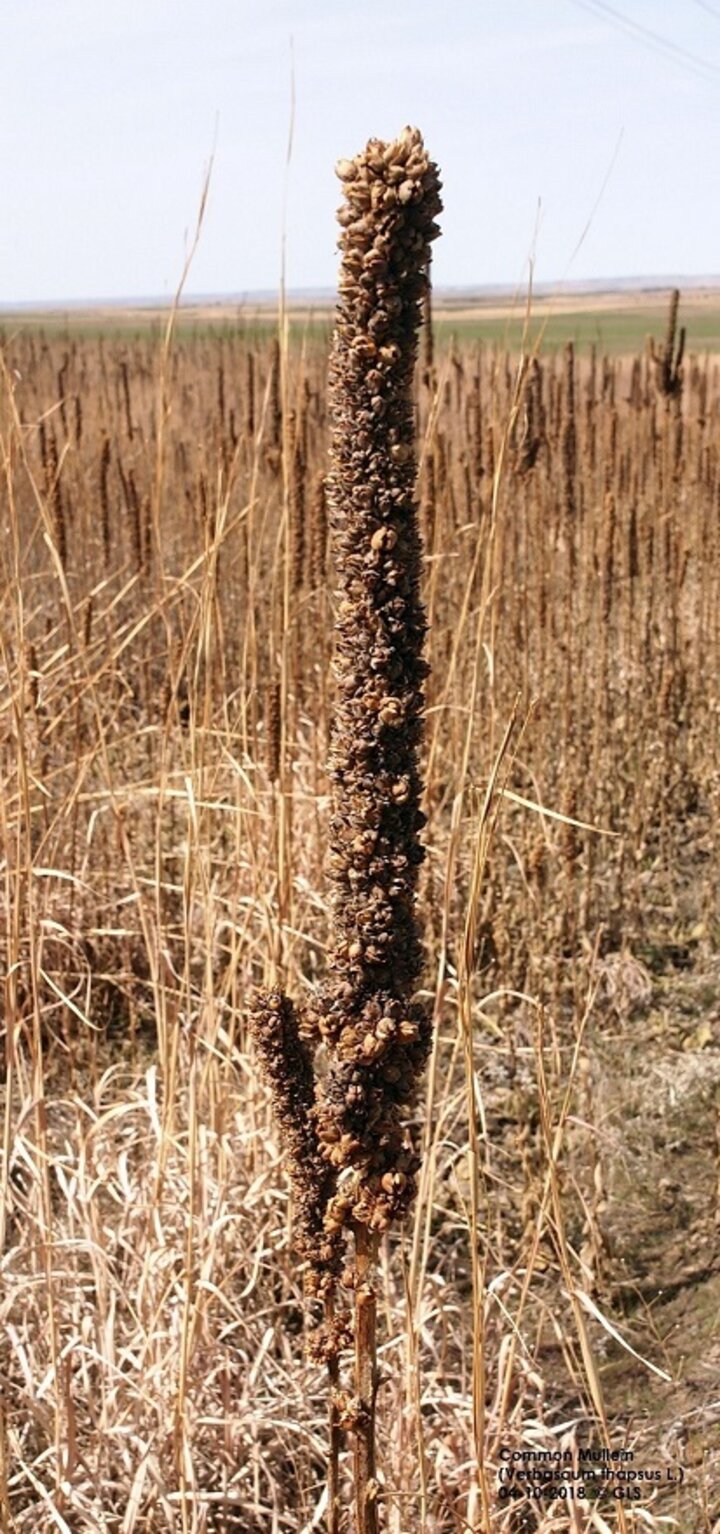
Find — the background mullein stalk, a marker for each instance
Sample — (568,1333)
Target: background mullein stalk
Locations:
(377,1034)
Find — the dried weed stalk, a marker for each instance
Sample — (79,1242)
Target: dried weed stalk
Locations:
(377,1035)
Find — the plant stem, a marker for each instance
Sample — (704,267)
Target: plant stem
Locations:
(366,1380)
(334,1428)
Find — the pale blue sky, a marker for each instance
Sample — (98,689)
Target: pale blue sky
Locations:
(108,115)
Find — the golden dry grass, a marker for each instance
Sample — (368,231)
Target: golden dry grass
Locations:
(166,638)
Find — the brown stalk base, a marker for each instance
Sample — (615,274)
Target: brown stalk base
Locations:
(366,1509)
(335,1434)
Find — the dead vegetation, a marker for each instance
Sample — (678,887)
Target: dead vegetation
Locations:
(166,636)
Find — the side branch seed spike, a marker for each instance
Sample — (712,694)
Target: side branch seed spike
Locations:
(378,1035)
(287,1067)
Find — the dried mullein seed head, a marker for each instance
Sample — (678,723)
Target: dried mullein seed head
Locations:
(330,1339)
(287,1066)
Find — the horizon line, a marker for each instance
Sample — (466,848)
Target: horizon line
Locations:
(648,283)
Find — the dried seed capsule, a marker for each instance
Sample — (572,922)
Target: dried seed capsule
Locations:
(391,712)
(384,538)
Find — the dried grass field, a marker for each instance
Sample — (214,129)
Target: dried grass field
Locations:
(165,705)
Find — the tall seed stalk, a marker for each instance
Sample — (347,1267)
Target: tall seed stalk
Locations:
(379,1037)
(376,1034)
